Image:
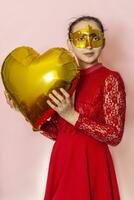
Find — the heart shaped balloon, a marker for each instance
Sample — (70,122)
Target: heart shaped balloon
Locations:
(29,77)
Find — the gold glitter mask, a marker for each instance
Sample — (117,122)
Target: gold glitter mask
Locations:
(87,36)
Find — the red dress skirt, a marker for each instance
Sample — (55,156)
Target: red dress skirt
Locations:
(81,166)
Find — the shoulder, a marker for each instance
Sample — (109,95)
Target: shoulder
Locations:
(113,83)
(112,77)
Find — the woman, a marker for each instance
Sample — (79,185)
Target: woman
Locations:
(81,166)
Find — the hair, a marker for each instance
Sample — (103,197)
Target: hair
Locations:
(84,18)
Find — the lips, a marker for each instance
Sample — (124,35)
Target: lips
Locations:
(89,53)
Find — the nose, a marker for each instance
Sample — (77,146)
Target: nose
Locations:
(88,43)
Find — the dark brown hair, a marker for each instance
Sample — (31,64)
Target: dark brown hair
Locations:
(71,25)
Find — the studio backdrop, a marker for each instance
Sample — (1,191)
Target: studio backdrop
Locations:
(43,24)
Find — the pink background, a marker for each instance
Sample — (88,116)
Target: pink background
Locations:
(24,154)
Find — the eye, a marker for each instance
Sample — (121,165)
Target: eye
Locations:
(96,38)
(80,38)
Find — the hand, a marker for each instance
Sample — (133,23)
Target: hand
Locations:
(64,103)
(10,101)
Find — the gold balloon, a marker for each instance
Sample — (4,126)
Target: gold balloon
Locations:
(29,77)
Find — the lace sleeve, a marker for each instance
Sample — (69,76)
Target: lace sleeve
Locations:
(114,107)
(50,128)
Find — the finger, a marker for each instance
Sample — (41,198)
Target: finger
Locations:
(60,97)
(9,101)
(51,105)
(26,119)
(8,97)
(6,94)
(56,101)
(67,95)
(73,97)
(15,105)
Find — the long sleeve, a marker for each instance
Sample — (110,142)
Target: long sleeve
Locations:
(114,107)
(50,128)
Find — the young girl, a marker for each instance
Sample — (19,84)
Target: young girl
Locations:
(81,166)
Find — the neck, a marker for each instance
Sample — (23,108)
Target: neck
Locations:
(85,65)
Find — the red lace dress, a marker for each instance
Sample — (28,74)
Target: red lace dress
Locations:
(81,166)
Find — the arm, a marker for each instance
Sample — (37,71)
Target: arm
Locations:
(114,106)
(49,128)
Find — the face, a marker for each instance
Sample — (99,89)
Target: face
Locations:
(87,42)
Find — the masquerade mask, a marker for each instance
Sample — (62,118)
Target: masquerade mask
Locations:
(83,37)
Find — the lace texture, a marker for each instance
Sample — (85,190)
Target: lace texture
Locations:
(110,129)
(50,128)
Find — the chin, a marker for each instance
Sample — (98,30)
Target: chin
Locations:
(88,60)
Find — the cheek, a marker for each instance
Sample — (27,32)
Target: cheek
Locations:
(97,51)
(77,51)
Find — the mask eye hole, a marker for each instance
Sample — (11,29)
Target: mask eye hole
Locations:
(95,37)
(80,38)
